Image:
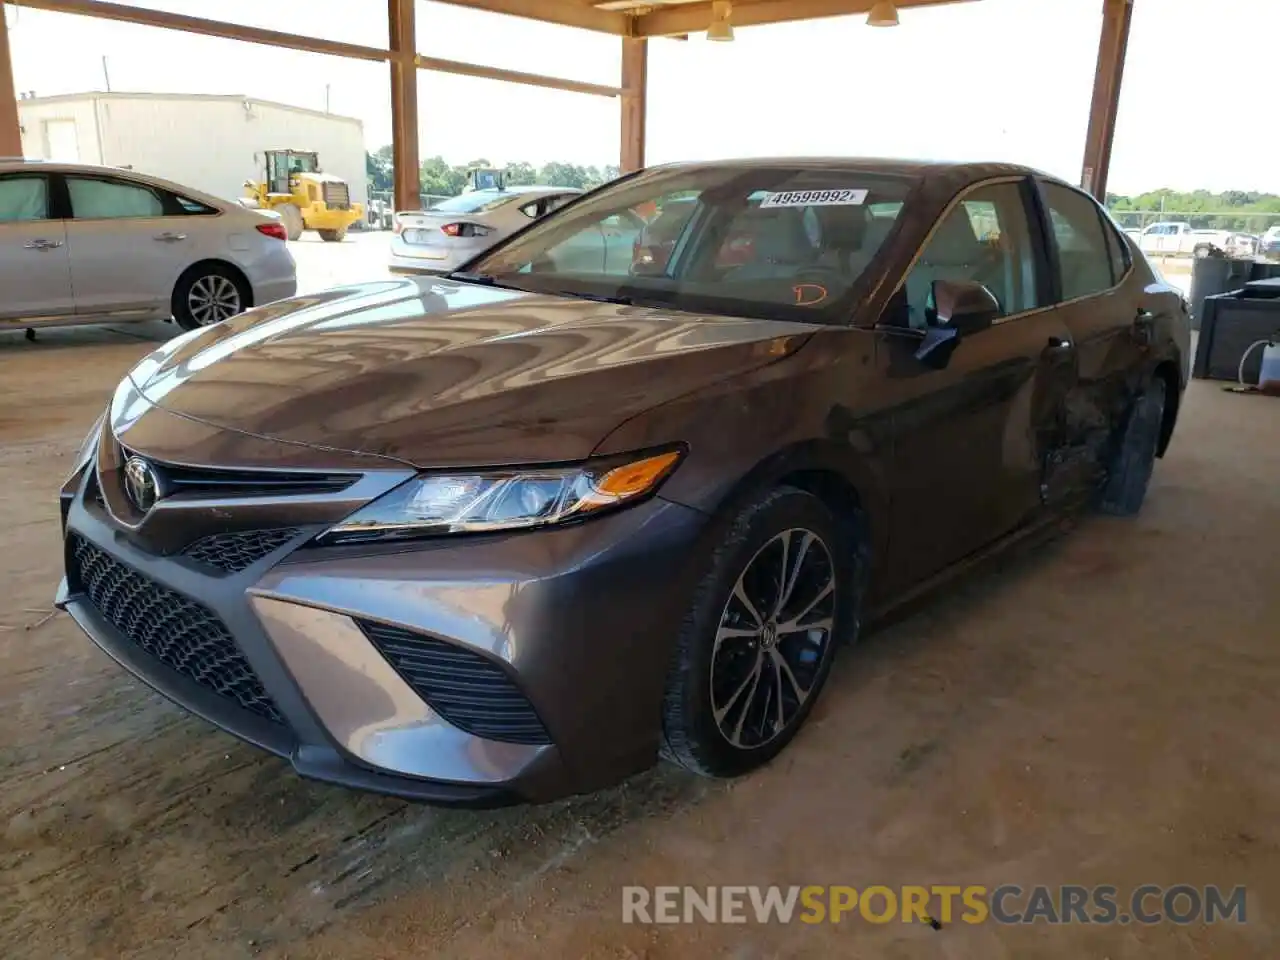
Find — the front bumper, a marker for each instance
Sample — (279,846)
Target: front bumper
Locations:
(580,620)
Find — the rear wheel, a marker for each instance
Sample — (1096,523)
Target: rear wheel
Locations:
(333,236)
(208,293)
(756,647)
(1134,459)
(291,217)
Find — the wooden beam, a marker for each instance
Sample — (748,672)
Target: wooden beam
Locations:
(406,168)
(516,76)
(567,13)
(209,28)
(10,128)
(694,17)
(1112,46)
(635,97)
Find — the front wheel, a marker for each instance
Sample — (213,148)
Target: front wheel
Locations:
(757,645)
(208,294)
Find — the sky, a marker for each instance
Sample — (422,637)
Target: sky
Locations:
(993,80)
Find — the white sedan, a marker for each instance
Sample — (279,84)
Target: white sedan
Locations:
(441,239)
(85,244)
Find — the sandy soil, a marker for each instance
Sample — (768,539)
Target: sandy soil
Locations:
(1100,712)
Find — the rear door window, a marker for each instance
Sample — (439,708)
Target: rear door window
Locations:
(94,199)
(1084,260)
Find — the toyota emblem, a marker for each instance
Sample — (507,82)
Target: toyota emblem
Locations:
(141,484)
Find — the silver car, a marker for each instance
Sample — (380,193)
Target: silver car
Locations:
(88,244)
(441,239)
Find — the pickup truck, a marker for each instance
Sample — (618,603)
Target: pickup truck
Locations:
(1178,239)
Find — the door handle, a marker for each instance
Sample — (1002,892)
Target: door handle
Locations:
(42,244)
(171,237)
(1058,347)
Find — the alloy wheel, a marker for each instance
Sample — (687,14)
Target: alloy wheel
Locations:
(773,637)
(212,299)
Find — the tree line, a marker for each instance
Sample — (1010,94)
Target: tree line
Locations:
(440,178)
(1244,210)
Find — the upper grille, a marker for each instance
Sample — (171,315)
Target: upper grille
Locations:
(337,196)
(215,482)
(182,634)
(233,552)
(468,690)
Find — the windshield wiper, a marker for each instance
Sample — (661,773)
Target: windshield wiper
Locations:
(601,298)
(487,279)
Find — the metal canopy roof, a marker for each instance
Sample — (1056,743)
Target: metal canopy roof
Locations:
(664,18)
(635,21)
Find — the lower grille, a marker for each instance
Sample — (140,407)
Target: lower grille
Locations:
(233,552)
(468,690)
(180,633)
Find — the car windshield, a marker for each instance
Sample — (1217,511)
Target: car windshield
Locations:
(477,201)
(766,241)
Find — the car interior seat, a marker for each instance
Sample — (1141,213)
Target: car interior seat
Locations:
(953,253)
(780,243)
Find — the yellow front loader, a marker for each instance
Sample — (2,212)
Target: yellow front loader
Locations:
(305,197)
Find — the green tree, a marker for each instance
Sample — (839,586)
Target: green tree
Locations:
(379,169)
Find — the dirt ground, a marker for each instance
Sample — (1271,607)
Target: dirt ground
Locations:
(1103,711)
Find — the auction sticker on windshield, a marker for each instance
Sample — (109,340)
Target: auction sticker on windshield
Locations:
(814,198)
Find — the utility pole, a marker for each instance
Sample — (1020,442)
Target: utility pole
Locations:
(105,75)
(326,98)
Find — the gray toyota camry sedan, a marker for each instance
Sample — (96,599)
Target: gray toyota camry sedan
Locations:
(611,492)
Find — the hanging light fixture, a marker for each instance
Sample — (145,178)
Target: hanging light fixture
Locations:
(720,28)
(883,14)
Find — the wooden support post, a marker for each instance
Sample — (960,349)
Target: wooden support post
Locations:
(1112,45)
(10,129)
(404,104)
(635,82)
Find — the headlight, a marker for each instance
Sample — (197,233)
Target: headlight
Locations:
(89,447)
(435,504)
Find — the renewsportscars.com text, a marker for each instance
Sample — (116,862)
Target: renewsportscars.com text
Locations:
(936,904)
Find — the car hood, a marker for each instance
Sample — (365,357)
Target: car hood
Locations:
(435,373)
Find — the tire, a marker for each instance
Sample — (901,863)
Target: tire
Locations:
(1129,472)
(291,217)
(333,236)
(706,674)
(207,294)
(1202,251)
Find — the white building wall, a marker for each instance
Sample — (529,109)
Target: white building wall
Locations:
(206,142)
(40,141)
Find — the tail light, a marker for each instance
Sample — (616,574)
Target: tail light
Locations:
(465,230)
(273,229)
(396,226)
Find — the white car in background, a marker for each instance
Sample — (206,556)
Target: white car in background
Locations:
(86,244)
(441,239)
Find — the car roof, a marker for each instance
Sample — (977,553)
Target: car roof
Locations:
(50,166)
(889,165)
(527,188)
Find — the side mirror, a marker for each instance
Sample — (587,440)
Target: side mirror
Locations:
(965,306)
(961,307)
